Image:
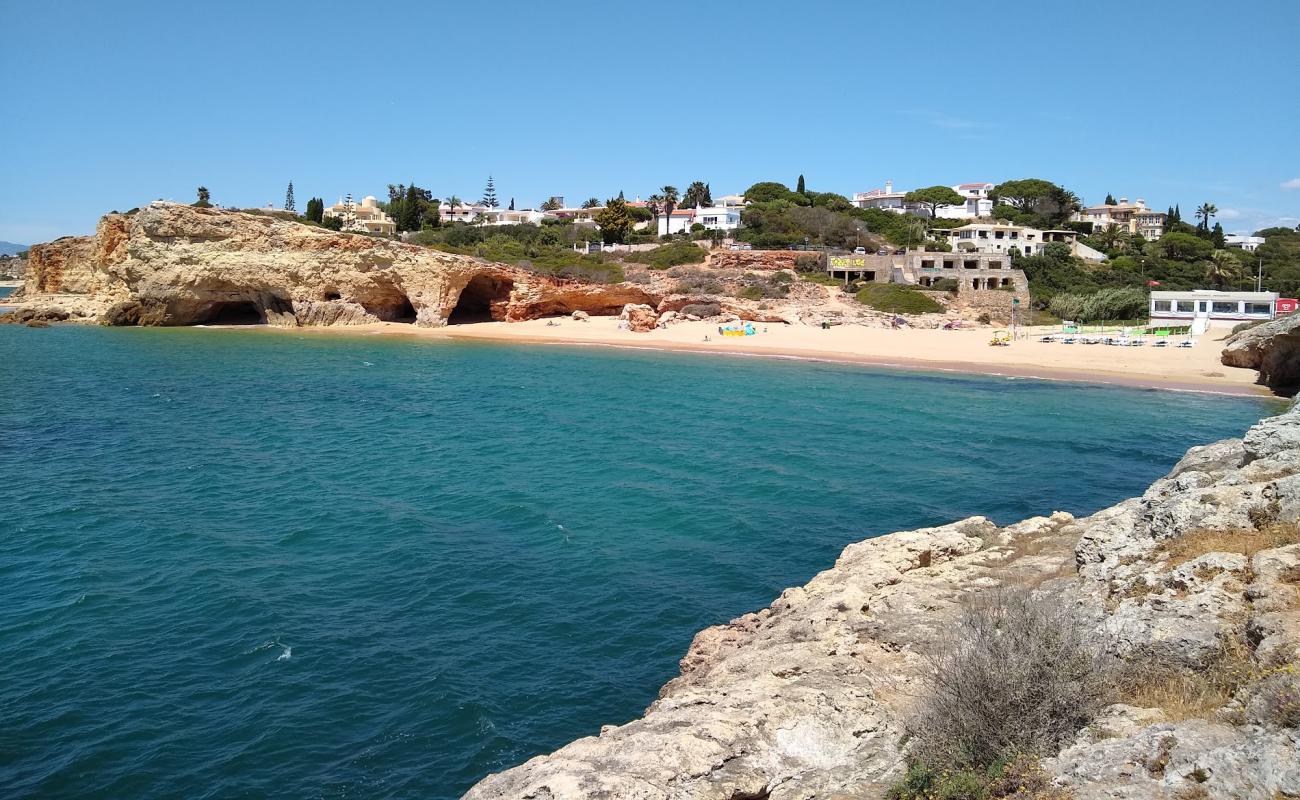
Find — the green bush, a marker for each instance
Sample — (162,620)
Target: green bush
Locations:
(945,285)
(820,277)
(669,255)
(751,292)
(1119,303)
(704,310)
(898,299)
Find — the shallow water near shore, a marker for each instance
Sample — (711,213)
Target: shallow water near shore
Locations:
(234,564)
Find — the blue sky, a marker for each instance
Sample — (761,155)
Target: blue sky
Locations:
(111,105)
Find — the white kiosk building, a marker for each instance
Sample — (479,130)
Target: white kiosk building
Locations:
(1208,308)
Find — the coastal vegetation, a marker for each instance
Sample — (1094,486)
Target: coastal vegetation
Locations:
(1010,682)
(898,299)
(546,248)
(668,255)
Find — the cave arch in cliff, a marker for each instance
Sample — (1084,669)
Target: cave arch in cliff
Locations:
(482,300)
(234,312)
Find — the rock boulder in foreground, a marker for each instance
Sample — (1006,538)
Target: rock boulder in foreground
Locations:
(1272,348)
(809,698)
(170,264)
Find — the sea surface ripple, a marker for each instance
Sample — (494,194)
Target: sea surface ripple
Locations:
(240,564)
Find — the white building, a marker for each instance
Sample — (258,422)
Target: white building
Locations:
(462,212)
(1003,237)
(1207,308)
(367,217)
(508,216)
(730,201)
(680,220)
(1242,242)
(718,217)
(885,198)
(977,203)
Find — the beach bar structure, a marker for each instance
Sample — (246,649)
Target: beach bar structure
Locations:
(1209,308)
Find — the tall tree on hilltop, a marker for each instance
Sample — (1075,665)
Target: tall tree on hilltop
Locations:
(408,217)
(1110,199)
(799,187)
(670,202)
(697,195)
(614,220)
(512,204)
(1205,213)
(1178,213)
(315,209)
(204,198)
(932,197)
(591,202)
(489,195)
(1217,238)
(620,195)
(655,203)
(288,199)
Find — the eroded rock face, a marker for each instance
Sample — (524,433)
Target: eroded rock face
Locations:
(1272,348)
(171,264)
(809,698)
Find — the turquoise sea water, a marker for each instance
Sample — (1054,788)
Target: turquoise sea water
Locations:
(244,564)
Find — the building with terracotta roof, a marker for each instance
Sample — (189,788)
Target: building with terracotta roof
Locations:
(1133,217)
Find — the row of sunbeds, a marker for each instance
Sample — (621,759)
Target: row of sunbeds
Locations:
(1117,341)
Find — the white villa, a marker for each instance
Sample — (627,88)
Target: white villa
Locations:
(1242,242)
(1208,308)
(1133,217)
(508,216)
(367,217)
(976,202)
(680,220)
(1003,237)
(885,198)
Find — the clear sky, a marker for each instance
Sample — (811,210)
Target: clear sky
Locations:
(108,105)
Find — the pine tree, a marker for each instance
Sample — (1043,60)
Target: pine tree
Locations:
(1178,213)
(315,209)
(1216,236)
(288,199)
(205,196)
(489,195)
(620,195)
(512,204)
(1110,199)
(800,189)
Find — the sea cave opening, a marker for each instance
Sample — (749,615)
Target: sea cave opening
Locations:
(401,311)
(234,312)
(477,299)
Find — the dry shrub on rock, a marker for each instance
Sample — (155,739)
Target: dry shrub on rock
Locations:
(1015,676)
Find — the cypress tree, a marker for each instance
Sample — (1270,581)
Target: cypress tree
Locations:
(1217,236)
(1110,199)
(800,188)
(512,204)
(288,198)
(315,209)
(409,215)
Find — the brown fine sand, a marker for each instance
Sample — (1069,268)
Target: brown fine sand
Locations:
(1188,369)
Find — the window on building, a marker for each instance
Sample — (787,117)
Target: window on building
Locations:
(984,234)
(1221,307)
(1259,308)
(998,235)
(1015,234)
(995,264)
(927,263)
(949,263)
(1186,306)
(1162,305)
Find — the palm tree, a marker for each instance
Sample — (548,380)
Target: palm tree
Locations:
(697,194)
(1110,236)
(655,202)
(1222,267)
(670,202)
(1206,212)
(452,203)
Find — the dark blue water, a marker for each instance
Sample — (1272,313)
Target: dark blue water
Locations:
(241,564)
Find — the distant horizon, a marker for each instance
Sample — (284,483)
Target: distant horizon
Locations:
(121,107)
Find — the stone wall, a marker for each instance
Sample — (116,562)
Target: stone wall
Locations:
(994,302)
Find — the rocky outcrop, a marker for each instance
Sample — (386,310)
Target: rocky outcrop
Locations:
(810,697)
(170,264)
(761,259)
(639,317)
(1272,348)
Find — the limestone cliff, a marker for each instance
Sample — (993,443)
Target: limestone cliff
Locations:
(1272,348)
(809,698)
(170,264)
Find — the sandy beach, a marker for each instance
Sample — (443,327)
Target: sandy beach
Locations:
(1187,369)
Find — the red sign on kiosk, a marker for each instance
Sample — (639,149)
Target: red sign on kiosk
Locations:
(1287,305)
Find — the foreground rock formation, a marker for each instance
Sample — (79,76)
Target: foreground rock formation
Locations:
(1272,348)
(810,697)
(170,264)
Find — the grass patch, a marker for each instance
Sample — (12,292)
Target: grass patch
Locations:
(897,299)
(821,278)
(1245,541)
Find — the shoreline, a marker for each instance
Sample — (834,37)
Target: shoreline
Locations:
(1024,359)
